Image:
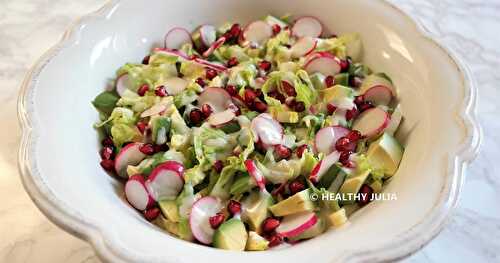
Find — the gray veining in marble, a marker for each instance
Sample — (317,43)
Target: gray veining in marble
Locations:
(470,27)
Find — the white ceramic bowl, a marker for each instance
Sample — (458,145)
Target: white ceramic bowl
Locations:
(59,158)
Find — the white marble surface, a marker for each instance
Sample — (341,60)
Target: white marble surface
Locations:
(471,27)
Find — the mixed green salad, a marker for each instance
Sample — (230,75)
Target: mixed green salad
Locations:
(232,136)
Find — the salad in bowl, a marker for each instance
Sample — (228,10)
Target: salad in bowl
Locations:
(239,137)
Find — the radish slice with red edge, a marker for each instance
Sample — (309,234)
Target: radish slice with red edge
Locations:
(320,169)
(166,181)
(378,95)
(201,211)
(207,34)
(217,98)
(177,37)
(211,65)
(122,84)
(303,47)
(324,63)
(175,85)
(371,122)
(257,32)
(214,46)
(267,129)
(223,117)
(136,193)
(328,136)
(155,109)
(256,174)
(128,155)
(307,26)
(295,224)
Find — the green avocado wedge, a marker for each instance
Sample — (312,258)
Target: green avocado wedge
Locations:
(231,235)
(299,202)
(385,153)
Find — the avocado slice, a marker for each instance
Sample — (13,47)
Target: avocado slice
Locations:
(315,230)
(231,235)
(352,185)
(385,153)
(337,94)
(255,209)
(298,202)
(256,242)
(338,218)
(184,230)
(342,79)
(170,210)
(284,115)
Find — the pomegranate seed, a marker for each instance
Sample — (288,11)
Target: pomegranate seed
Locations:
(151,214)
(234,207)
(270,224)
(276,29)
(216,220)
(233,61)
(365,106)
(141,126)
(249,96)
(344,157)
(231,90)
(288,88)
(354,135)
(260,106)
(344,65)
(235,31)
(160,148)
(142,90)
(359,100)
(300,106)
(351,114)
(283,151)
(366,195)
(107,142)
(300,150)
(290,102)
(295,187)
(195,116)
(235,109)
(218,166)
(108,165)
(210,73)
(107,153)
(265,65)
(329,81)
(275,240)
(145,60)
(147,149)
(200,82)
(342,144)
(206,110)
(330,108)
(161,91)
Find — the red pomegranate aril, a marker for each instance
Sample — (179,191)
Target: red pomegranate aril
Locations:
(141,126)
(300,150)
(265,65)
(330,108)
(218,166)
(344,157)
(270,224)
(210,73)
(275,240)
(143,89)
(107,153)
(365,106)
(329,81)
(354,135)
(107,142)
(260,106)
(288,88)
(276,29)
(108,165)
(195,116)
(206,110)
(234,207)
(366,193)
(290,102)
(295,187)
(359,100)
(258,93)
(161,91)
(249,96)
(145,60)
(151,214)
(147,149)
(283,151)
(235,30)
(300,106)
(351,114)
(216,220)
(200,82)
(233,61)
(160,148)
(342,144)
(344,65)
(231,90)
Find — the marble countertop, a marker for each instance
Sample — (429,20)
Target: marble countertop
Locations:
(470,27)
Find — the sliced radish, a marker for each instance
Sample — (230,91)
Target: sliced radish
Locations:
(211,65)
(177,53)
(371,122)
(175,85)
(327,137)
(378,95)
(267,129)
(303,47)
(295,224)
(324,63)
(128,155)
(320,169)
(307,26)
(166,181)
(217,98)
(222,117)
(214,46)
(257,32)
(177,37)
(396,118)
(122,84)
(201,211)
(207,34)
(136,193)
(256,174)
(155,109)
